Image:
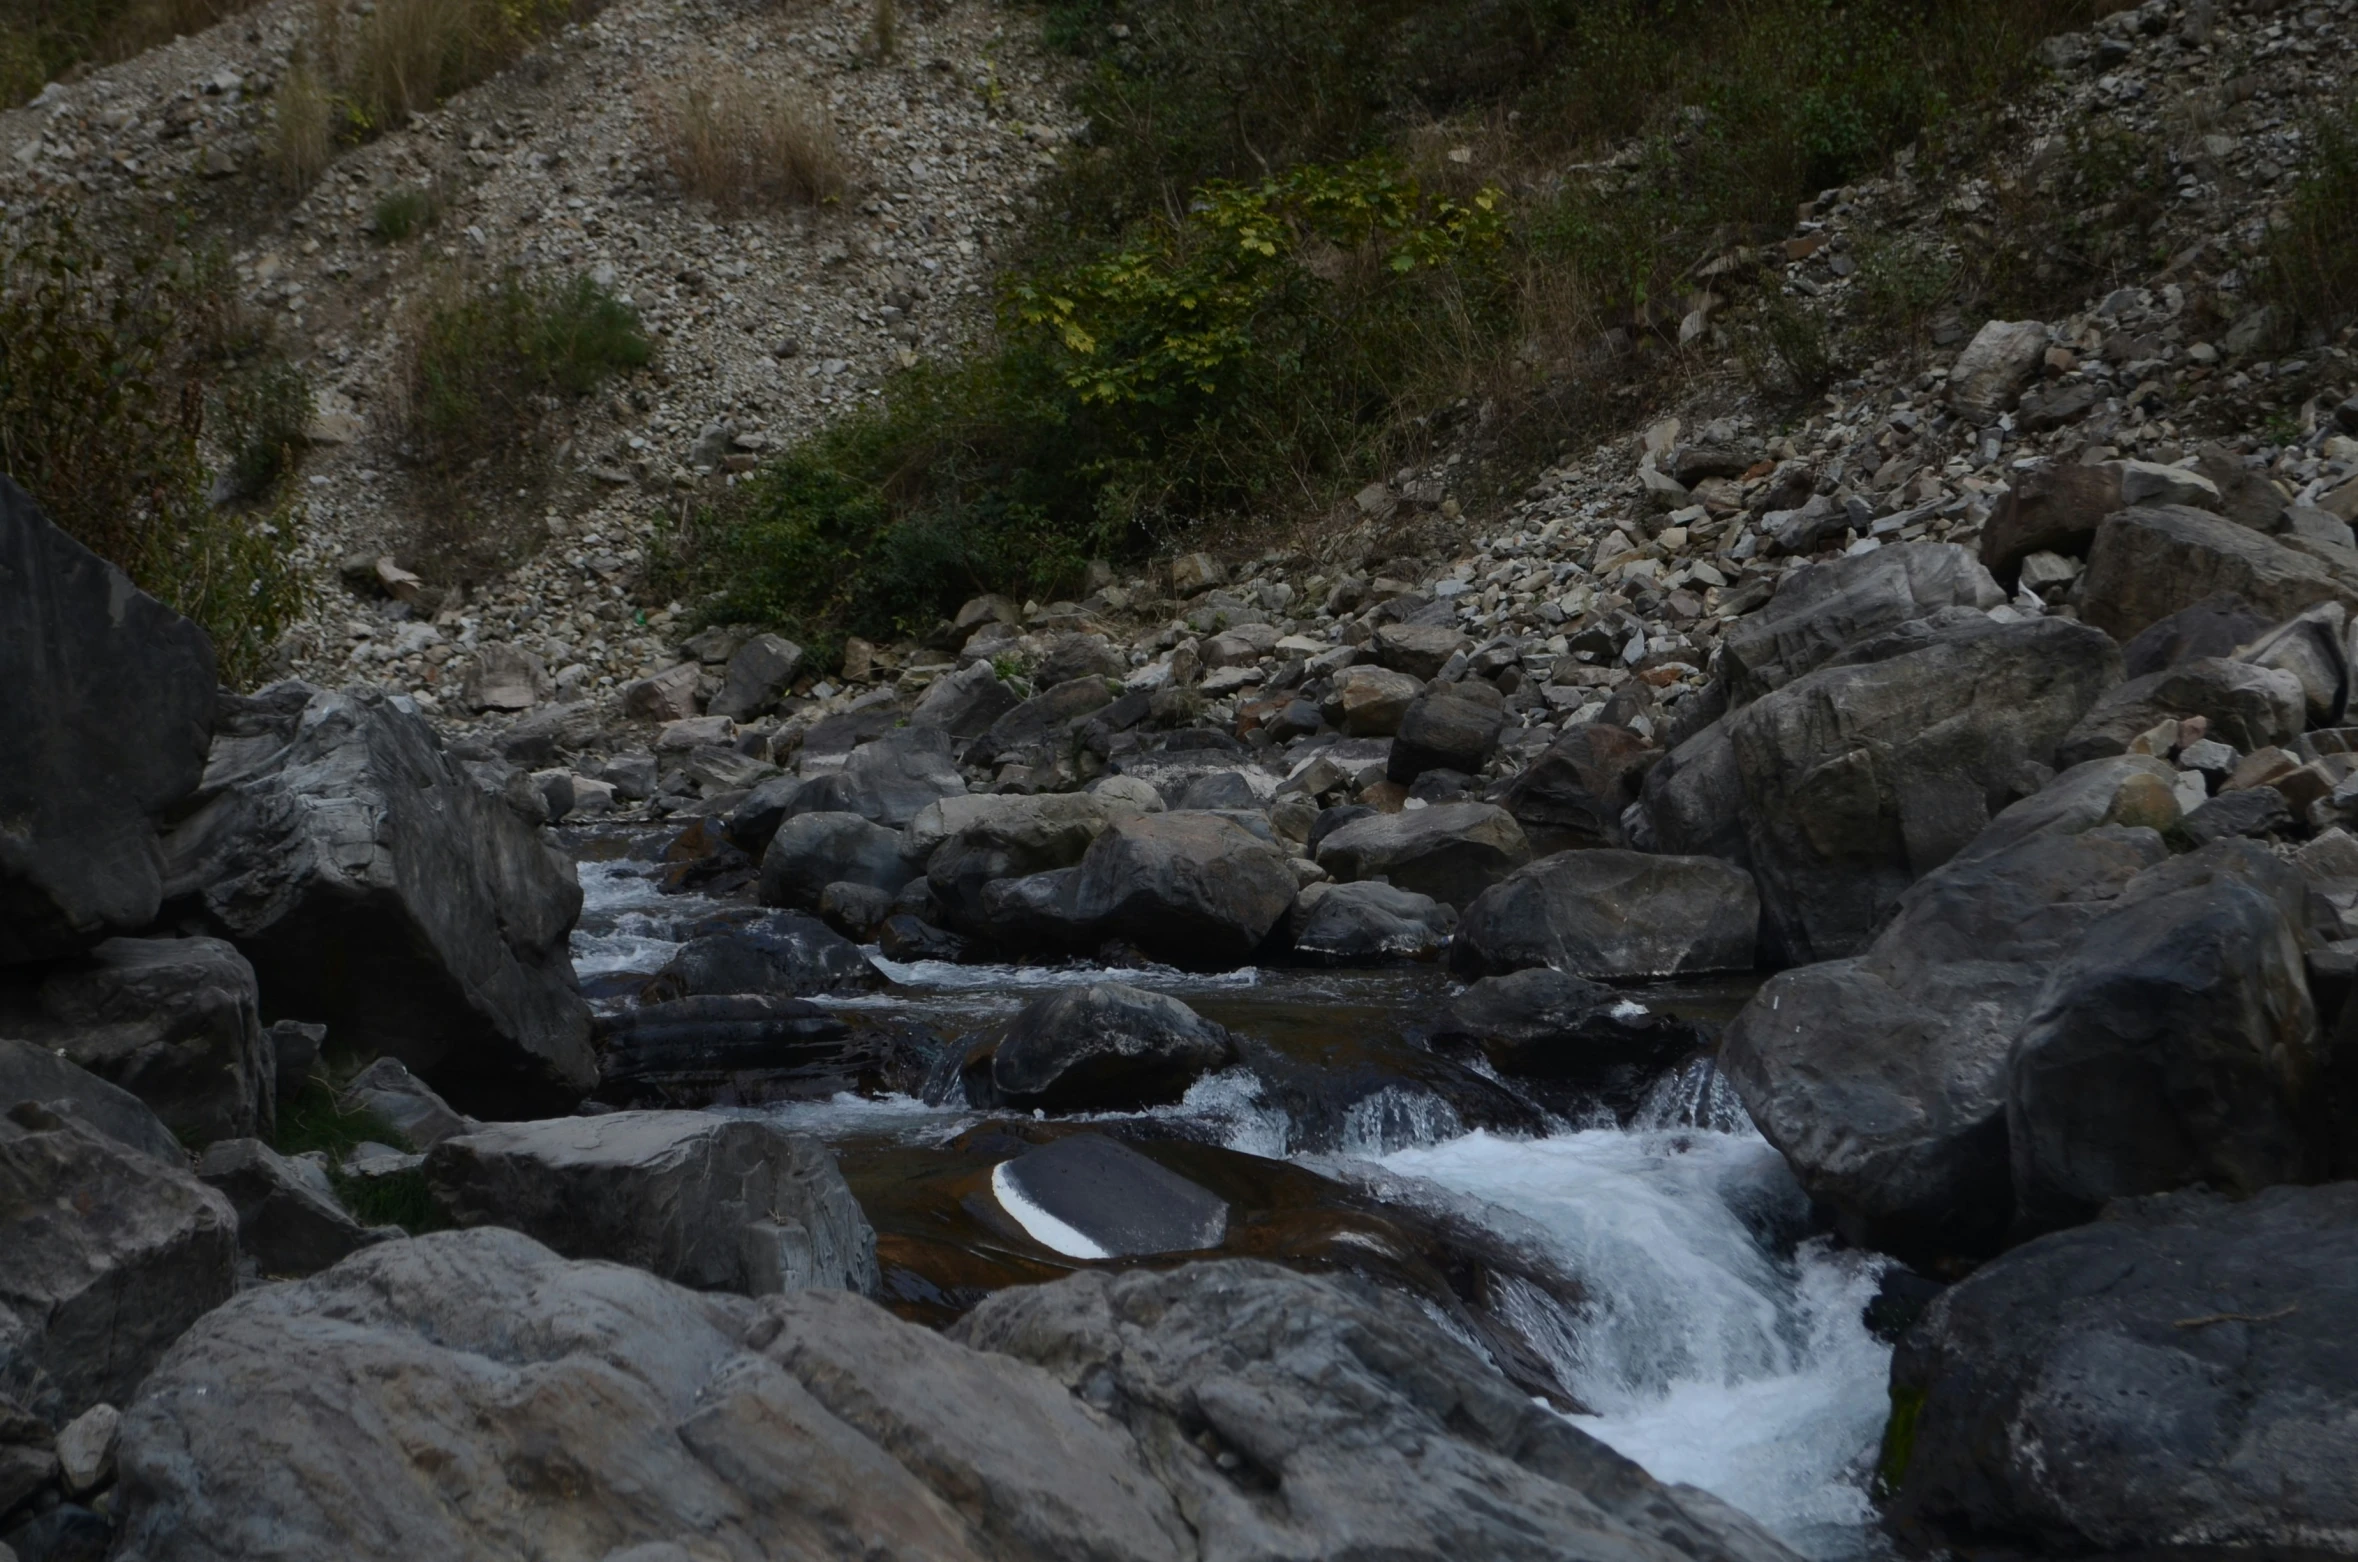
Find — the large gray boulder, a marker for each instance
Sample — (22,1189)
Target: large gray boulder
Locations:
(1367,924)
(783,952)
(289,1220)
(1038,727)
(1612,914)
(1197,890)
(1861,777)
(1104,1047)
(1820,609)
(1883,1078)
(970,843)
(2151,561)
(889,780)
(2179,1374)
(1574,794)
(965,703)
(472,1394)
(1544,1024)
(34,1073)
(715,1203)
(811,851)
(1451,851)
(175,1021)
(2177,1045)
(761,670)
(1449,726)
(376,889)
(111,1254)
(110,706)
(2247,707)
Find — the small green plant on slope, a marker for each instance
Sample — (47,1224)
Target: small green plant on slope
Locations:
(2312,260)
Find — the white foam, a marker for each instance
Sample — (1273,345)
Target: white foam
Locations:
(1037,1223)
(945,976)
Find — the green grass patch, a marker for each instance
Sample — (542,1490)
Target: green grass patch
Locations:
(405,213)
(489,359)
(1899,1439)
(315,1120)
(393,1199)
(117,371)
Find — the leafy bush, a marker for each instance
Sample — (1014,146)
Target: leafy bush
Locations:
(108,366)
(2312,260)
(486,360)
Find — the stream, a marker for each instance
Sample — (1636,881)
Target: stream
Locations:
(1648,1267)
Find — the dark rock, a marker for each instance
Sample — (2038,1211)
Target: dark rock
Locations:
(112,1253)
(289,1221)
(1418,650)
(1820,609)
(31,1073)
(2248,707)
(2054,508)
(111,705)
(2251,810)
(785,953)
(1367,924)
(172,1020)
(1694,799)
(1219,789)
(1695,460)
(2309,649)
(2176,1046)
(888,780)
(2214,626)
(1041,720)
(2045,410)
(762,669)
(1081,656)
(2302,520)
(855,910)
(68,1532)
(1861,777)
(2149,562)
(379,891)
(744,1050)
(1882,1079)
(1572,796)
(1448,727)
(812,851)
(1544,1024)
(1608,913)
(965,703)
(906,939)
(1104,1047)
(1819,524)
(1451,852)
(1106,1197)
(756,816)
(1036,914)
(405,1102)
(714,1203)
(982,840)
(1196,890)
(2178,1374)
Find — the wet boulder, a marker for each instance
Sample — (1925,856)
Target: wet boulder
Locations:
(1611,913)
(34,1073)
(978,841)
(1543,1024)
(1861,777)
(404,1102)
(787,953)
(1573,795)
(1102,1199)
(761,670)
(1820,609)
(1449,726)
(1197,890)
(714,1203)
(111,1254)
(2180,1372)
(887,780)
(2246,707)
(111,704)
(1105,1047)
(1883,1078)
(1042,722)
(2177,1044)
(376,889)
(174,1021)
(289,1220)
(741,1048)
(1451,852)
(813,850)
(1367,924)
(2152,560)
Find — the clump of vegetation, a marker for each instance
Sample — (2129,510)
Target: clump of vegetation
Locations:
(738,142)
(313,1119)
(2312,260)
(304,130)
(41,40)
(117,372)
(488,359)
(405,213)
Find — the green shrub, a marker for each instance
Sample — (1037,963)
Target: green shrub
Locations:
(487,358)
(2312,260)
(314,1120)
(400,1198)
(405,213)
(108,365)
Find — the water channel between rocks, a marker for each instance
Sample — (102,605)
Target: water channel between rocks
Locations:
(1657,1265)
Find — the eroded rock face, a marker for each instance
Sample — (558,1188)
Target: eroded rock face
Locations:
(111,1254)
(1612,914)
(110,700)
(376,889)
(2179,1373)
(33,1073)
(715,1203)
(472,1394)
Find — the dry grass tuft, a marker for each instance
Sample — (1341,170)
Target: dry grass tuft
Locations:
(304,138)
(738,142)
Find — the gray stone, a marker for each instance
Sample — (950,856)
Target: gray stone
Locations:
(33,1073)
(504,677)
(1573,795)
(1081,656)
(889,780)
(2180,1373)
(1990,373)
(1419,650)
(1448,727)
(111,1255)
(969,843)
(965,703)
(2312,651)
(1451,852)
(1544,1024)
(111,699)
(1197,890)
(812,851)
(1608,913)
(405,1102)
(714,1203)
(289,1221)
(1820,609)
(762,669)
(174,1021)
(1367,924)
(1370,702)
(378,890)
(1110,1197)
(2053,508)
(784,952)
(1041,722)
(669,695)
(2148,563)
(2247,706)
(86,1450)
(1105,1047)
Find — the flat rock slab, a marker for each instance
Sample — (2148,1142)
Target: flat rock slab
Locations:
(1091,1197)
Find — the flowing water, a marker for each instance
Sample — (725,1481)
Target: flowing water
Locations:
(1659,1267)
